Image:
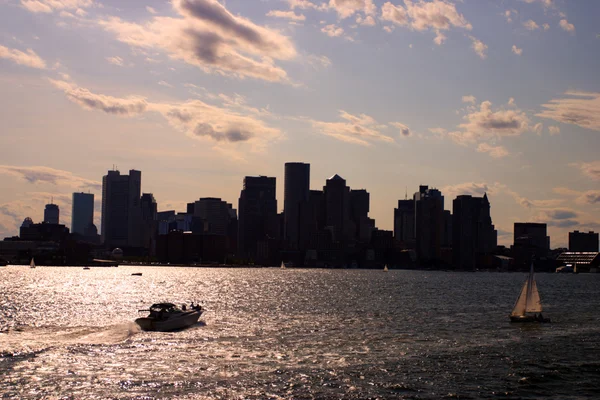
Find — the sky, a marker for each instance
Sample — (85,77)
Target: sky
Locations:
(471,97)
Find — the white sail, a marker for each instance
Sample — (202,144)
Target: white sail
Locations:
(521,304)
(534,303)
(32,263)
(282,264)
(385,268)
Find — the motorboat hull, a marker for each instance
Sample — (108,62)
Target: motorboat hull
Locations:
(527,318)
(180,321)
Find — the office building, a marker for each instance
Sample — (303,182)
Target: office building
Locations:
(337,208)
(149,210)
(359,215)
(82,212)
(121,210)
(404,223)
(532,234)
(473,234)
(583,242)
(429,223)
(258,219)
(51,214)
(296,191)
(215,213)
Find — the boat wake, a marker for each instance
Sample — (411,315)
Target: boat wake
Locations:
(29,339)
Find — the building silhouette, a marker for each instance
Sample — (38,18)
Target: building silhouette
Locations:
(121,210)
(149,211)
(51,214)
(582,241)
(429,223)
(532,234)
(82,212)
(363,227)
(296,191)
(473,234)
(337,208)
(215,215)
(404,224)
(258,221)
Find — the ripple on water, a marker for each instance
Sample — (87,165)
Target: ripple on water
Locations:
(68,333)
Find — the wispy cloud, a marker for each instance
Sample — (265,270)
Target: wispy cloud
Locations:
(357,129)
(531,25)
(115,60)
(582,109)
(566,26)
(332,30)
(28,58)
(210,37)
(347,8)
(494,151)
(479,47)
(40,174)
(291,15)
(517,50)
(49,6)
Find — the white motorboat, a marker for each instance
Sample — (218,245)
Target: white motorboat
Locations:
(166,317)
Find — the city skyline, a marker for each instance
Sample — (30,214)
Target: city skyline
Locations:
(466,97)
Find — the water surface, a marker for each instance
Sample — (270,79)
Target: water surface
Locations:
(295,333)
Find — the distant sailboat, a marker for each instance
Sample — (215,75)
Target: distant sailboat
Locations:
(528,304)
(282,265)
(32,263)
(385,268)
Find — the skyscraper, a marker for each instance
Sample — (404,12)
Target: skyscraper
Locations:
(121,211)
(337,207)
(257,214)
(51,214)
(473,233)
(296,190)
(404,223)
(149,211)
(429,223)
(216,214)
(582,241)
(82,212)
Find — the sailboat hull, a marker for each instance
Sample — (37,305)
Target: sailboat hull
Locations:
(528,318)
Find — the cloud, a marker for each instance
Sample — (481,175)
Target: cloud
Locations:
(469,99)
(332,30)
(357,129)
(126,107)
(479,47)
(115,61)
(436,15)
(531,25)
(591,169)
(221,125)
(494,151)
(150,10)
(208,36)
(476,189)
(554,130)
(286,14)
(565,25)
(587,197)
(486,123)
(394,14)
(404,130)
(538,128)
(582,109)
(40,174)
(545,3)
(306,4)
(517,50)
(28,59)
(318,61)
(347,8)
(367,21)
(49,6)
(546,26)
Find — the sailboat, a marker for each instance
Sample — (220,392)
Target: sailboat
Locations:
(528,307)
(32,263)
(385,268)
(282,265)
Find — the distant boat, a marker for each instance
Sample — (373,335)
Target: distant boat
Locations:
(86,267)
(282,265)
(385,268)
(32,263)
(528,307)
(136,274)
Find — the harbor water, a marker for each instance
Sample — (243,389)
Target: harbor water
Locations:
(68,333)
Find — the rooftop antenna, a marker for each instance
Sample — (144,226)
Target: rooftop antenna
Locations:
(406,193)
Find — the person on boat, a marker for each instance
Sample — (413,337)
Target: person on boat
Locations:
(184,307)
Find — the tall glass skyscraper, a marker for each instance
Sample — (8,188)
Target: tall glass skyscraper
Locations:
(296,191)
(82,212)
